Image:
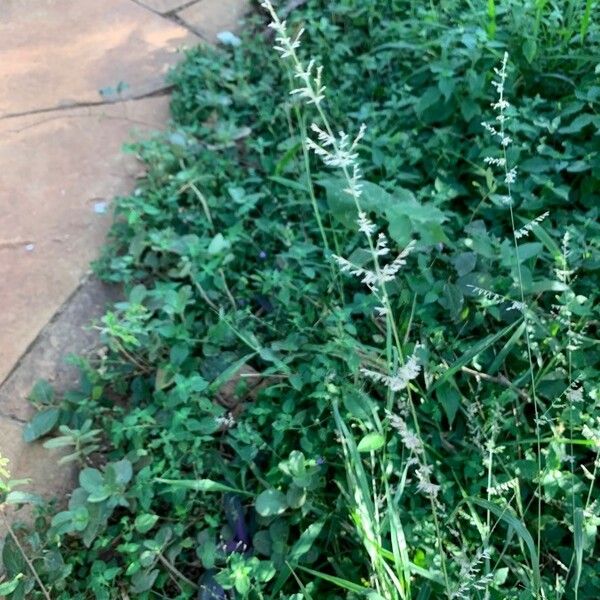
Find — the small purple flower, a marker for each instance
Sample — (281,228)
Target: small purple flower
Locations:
(262,255)
(320,460)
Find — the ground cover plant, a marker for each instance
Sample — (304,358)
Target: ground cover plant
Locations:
(347,365)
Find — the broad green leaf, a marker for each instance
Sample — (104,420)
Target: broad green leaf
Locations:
(91,480)
(295,496)
(42,392)
(579,123)
(305,541)
(299,549)
(529,49)
(10,586)
(12,560)
(449,398)
(143,581)
(145,522)
(270,503)
(402,211)
(123,471)
(371,442)
(218,244)
(41,424)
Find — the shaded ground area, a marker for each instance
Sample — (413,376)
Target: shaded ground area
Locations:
(81,79)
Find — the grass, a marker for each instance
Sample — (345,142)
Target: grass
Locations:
(346,366)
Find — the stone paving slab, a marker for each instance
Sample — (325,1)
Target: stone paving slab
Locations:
(71,331)
(210,17)
(59,172)
(57,53)
(68,333)
(164,6)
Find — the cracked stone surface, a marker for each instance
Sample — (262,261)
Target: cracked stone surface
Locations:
(165,6)
(59,174)
(68,333)
(57,53)
(210,17)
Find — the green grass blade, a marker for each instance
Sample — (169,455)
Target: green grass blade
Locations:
(501,356)
(339,581)
(586,20)
(468,356)
(230,372)
(578,543)
(202,485)
(299,549)
(506,514)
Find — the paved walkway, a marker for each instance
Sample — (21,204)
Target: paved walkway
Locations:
(79,78)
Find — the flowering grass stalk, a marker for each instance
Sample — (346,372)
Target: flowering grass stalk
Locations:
(500,106)
(340,151)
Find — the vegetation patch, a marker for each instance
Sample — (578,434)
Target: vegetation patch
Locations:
(347,365)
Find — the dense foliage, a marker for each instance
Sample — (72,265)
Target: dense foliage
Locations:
(224,429)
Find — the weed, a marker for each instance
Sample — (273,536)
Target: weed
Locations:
(411,407)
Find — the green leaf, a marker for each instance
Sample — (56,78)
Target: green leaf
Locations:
(529,250)
(218,244)
(91,480)
(19,497)
(579,123)
(270,503)
(42,392)
(80,517)
(464,263)
(371,442)
(41,424)
(299,549)
(143,581)
(501,356)
(529,49)
(123,471)
(429,99)
(10,586)
(449,398)
(12,560)
(290,183)
(305,541)
(145,522)
(404,214)
(296,496)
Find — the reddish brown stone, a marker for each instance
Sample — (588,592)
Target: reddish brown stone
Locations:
(164,6)
(58,171)
(56,53)
(210,17)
